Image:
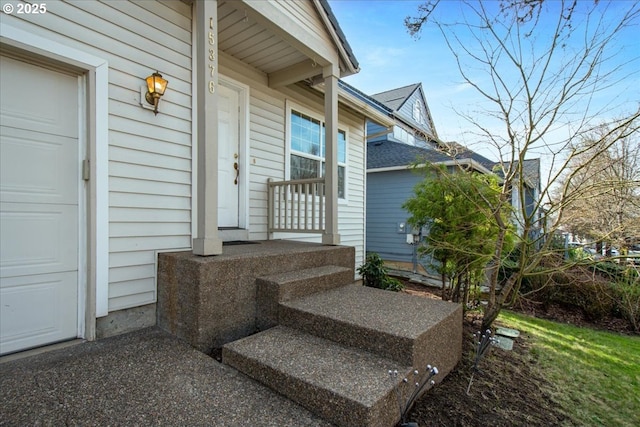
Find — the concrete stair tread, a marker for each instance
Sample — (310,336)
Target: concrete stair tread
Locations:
(388,312)
(344,385)
(272,289)
(308,273)
(346,371)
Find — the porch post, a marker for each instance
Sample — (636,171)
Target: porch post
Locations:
(207,241)
(330,74)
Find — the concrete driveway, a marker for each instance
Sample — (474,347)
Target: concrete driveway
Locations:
(143,378)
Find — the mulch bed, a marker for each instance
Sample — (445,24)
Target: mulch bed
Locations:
(508,390)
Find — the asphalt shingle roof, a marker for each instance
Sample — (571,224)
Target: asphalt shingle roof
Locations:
(386,154)
(343,39)
(394,98)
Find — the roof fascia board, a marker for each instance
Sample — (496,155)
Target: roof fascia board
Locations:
(350,67)
(364,108)
(361,106)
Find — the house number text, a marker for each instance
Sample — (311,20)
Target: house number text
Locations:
(212,57)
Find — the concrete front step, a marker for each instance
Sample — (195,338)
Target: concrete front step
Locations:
(273,289)
(411,330)
(344,385)
(209,301)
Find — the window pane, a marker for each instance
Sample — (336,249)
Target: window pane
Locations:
(341,184)
(342,147)
(303,168)
(305,134)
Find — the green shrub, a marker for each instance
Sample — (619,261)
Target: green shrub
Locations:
(598,290)
(375,274)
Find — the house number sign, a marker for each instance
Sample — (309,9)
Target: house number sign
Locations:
(212,56)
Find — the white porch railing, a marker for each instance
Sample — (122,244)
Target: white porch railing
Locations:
(296,206)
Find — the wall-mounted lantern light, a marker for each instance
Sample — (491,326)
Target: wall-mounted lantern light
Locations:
(156,86)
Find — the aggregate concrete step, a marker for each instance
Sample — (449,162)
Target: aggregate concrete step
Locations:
(411,330)
(275,288)
(347,386)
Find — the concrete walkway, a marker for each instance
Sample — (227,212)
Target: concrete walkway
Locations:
(144,378)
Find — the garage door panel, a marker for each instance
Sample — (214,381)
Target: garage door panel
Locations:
(47,170)
(21,103)
(42,296)
(40,187)
(38,239)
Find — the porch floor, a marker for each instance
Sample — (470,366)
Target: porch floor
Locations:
(146,377)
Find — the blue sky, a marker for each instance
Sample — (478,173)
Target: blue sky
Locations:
(390,58)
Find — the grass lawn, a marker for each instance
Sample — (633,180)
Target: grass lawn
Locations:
(595,375)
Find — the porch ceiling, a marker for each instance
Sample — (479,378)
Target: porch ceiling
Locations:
(246,35)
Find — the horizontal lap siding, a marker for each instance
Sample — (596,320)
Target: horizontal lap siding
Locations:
(351,215)
(386,192)
(351,224)
(266,129)
(267,110)
(149,156)
(306,15)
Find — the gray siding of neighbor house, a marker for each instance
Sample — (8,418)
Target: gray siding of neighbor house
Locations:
(386,192)
(406,110)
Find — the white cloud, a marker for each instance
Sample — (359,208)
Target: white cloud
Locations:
(383,56)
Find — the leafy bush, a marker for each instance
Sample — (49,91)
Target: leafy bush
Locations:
(598,290)
(627,296)
(376,275)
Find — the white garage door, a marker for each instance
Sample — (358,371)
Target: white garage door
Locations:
(39,193)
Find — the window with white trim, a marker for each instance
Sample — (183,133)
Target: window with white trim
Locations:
(307,156)
(417,111)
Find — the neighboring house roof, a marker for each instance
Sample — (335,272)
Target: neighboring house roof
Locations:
(397,155)
(397,101)
(462,152)
(394,98)
(530,170)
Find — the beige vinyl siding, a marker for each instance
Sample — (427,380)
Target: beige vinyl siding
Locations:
(253,45)
(149,156)
(305,14)
(267,112)
(351,210)
(266,130)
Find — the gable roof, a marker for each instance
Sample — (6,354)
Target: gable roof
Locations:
(530,171)
(394,98)
(397,155)
(341,40)
(397,100)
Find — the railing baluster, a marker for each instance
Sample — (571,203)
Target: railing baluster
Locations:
(296,206)
(306,206)
(321,210)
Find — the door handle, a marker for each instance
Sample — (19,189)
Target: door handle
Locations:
(237,168)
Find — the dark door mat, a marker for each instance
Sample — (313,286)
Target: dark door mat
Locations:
(239,242)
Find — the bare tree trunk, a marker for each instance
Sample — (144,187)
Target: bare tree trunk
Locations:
(493,310)
(467,285)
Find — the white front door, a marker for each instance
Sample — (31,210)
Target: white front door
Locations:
(39,205)
(228,157)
